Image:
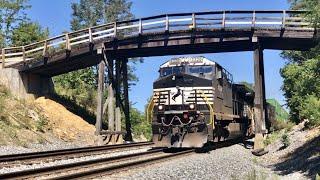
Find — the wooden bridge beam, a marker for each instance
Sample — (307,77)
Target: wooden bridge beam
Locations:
(117,85)
(260,98)
(100,97)
(111,122)
(128,136)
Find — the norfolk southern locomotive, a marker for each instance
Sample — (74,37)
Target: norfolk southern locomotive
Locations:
(195,101)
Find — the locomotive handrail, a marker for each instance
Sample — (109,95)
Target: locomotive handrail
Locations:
(160,23)
(210,108)
(150,110)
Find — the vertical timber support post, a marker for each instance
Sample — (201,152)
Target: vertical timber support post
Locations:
(128,136)
(118,100)
(100,97)
(259,98)
(110,99)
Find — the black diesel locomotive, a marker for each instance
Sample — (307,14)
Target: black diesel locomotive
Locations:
(195,101)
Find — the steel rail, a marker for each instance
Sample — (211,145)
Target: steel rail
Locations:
(115,168)
(63,152)
(54,170)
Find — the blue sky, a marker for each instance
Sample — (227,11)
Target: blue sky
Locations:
(56,15)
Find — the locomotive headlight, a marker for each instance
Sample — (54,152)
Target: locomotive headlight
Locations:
(191,106)
(160,107)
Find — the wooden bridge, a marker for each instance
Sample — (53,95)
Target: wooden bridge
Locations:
(168,34)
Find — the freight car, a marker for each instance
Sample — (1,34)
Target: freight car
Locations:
(195,101)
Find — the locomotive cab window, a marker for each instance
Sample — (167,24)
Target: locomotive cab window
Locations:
(201,71)
(171,70)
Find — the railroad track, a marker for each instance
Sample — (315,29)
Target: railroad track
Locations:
(47,156)
(97,167)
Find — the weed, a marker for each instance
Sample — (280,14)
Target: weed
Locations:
(41,140)
(285,140)
(41,123)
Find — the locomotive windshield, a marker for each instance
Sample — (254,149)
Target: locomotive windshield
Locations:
(194,70)
(200,69)
(171,70)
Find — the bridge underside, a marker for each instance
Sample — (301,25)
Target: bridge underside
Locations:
(173,43)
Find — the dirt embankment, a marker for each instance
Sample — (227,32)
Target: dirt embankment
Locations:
(66,125)
(42,124)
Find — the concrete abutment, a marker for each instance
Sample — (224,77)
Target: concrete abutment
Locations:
(25,85)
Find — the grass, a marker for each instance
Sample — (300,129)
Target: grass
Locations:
(271,138)
(254,175)
(16,125)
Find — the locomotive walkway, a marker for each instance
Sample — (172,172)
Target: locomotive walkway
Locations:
(170,34)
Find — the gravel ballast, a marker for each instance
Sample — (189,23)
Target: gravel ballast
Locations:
(233,162)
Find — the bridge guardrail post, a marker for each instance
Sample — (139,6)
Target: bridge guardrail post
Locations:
(23,54)
(167,23)
(253,19)
(90,35)
(115,29)
(224,19)
(45,49)
(68,47)
(140,26)
(194,25)
(3,57)
(283,19)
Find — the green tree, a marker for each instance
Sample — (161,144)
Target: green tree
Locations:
(28,32)
(12,13)
(87,13)
(301,73)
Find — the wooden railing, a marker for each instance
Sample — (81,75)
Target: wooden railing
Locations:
(167,22)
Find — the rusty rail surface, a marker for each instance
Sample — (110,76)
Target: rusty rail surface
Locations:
(161,23)
(95,167)
(67,152)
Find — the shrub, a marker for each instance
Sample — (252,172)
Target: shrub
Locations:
(271,138)
(279,125)
(285,140)
(311,110)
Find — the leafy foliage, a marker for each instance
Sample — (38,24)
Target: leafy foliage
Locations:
(281,113)
(139,124)
(301,74)
(80,86)
(28,32)
(300,82)
(12,13)
(15,27)
(311,110)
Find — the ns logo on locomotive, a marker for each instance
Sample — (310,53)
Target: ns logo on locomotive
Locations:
(195,101)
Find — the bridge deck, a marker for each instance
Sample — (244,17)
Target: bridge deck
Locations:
(187,33)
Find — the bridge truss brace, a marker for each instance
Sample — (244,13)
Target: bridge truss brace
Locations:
(117,100)
(259,98)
